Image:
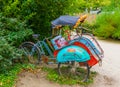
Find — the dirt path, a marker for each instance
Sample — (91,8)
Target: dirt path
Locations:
(110,70)
(108,74)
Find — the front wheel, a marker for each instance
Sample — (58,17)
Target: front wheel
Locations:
(31,53)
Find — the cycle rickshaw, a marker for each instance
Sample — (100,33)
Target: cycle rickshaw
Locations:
(78,50)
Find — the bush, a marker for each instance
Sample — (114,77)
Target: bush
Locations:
(113,5)
(39,13)
(12,33)
(50,10)
(14,30)
(7,54)
(108,25)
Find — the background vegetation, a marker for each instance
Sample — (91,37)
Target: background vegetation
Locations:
(108,25)
(12,33)
(19,19)
(107,22)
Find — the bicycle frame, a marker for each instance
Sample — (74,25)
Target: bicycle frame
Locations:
(42,45)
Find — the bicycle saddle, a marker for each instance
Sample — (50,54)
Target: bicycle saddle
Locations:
(36,36)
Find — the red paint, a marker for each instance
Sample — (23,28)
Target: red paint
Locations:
(55,53)
(92,60)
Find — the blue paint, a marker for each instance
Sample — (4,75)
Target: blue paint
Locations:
(88,43)
(79,55)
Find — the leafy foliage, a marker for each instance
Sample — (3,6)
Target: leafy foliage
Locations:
(39,13)
(22,9)
(50,10)
(7,54)
(108,25)
(12,33)
(94,4)
(113,5)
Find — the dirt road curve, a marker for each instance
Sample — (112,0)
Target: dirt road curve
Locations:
(109,73)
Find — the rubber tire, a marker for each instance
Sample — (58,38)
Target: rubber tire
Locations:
(33,59)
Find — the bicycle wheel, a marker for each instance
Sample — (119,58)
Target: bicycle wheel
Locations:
(31,53)
(74,70)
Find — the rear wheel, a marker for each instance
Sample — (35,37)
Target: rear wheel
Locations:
(74,70)
(31,53)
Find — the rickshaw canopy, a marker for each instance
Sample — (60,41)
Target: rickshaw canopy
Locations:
(65,20)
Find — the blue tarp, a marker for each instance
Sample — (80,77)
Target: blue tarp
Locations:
(65,20)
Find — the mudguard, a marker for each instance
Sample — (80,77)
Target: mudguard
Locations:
(72,53)
(88,43)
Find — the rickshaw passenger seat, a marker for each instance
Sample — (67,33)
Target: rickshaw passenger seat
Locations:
(58,42)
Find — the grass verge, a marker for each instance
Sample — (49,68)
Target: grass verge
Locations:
(8,79)
(52,75)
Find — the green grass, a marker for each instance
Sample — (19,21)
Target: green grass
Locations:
(53,75)
(9,79)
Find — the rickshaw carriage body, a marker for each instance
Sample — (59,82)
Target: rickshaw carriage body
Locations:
(95,53)
(83,48)
(72,53)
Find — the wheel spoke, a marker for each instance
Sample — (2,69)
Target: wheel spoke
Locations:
(74,70)
(30,53)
